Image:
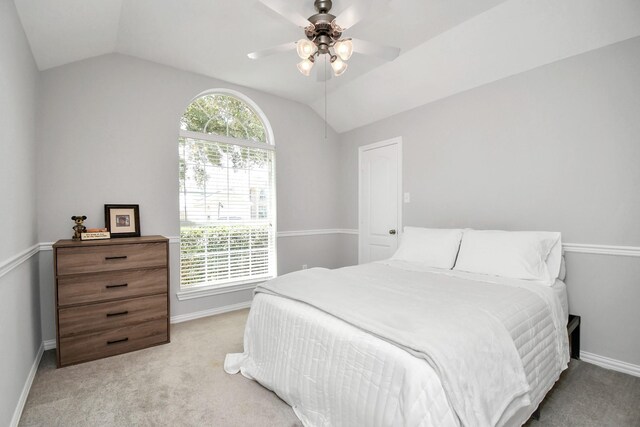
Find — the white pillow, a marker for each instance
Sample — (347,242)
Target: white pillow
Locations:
(430,247)
(514,254)
(563,269)
(554,261)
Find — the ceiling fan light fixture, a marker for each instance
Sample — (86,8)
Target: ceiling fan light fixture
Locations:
(338,65)
(323,36)
(344,49)
(305,48)
(305,66)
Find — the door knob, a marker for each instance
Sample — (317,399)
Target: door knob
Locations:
(392,231)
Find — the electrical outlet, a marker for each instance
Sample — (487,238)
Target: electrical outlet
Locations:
(304,266)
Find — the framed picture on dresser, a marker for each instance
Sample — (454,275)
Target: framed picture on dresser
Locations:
(122,220)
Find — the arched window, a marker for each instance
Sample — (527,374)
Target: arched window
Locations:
(227,192)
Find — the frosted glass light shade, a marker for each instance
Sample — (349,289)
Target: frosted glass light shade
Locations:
(305,48)
(339,66)
(344,49)
(305,66)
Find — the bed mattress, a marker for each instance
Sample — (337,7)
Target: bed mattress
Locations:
(335,374)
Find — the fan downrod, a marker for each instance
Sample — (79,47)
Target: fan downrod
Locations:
(323,6)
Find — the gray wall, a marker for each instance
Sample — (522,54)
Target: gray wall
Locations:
(318,251)
(19,298)
(108,131)
(556,148)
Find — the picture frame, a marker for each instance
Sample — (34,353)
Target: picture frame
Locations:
(122,220)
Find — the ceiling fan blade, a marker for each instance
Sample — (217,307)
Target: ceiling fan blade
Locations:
(359,9)
(283,8)
(387,53)
(353,14)
(272,50)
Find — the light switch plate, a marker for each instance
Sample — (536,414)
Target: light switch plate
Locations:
(407,197)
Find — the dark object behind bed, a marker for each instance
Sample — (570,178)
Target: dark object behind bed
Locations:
(573,328)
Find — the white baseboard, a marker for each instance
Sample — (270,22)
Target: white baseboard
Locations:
(27,388)
(211,312)
(602,361)
(613,364)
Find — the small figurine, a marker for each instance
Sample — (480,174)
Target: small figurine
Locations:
(78,228)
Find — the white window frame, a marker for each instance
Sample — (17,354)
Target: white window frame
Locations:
(269,145)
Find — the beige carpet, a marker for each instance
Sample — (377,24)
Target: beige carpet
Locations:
(183,384)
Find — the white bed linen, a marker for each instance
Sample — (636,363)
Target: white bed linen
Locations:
(559,288)
(332,373)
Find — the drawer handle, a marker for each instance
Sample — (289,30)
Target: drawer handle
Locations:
(120,313)
(107,258)
(117,341)
(123,285)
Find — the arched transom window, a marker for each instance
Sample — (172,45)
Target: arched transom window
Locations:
(227,193)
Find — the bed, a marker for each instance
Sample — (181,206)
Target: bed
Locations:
(400,342)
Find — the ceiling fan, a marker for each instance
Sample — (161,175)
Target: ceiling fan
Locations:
(323,33)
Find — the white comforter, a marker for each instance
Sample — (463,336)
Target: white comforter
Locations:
(496,348)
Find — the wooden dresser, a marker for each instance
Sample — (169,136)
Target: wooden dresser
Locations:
(112,296)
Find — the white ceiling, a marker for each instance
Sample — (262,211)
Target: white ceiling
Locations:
(448,46)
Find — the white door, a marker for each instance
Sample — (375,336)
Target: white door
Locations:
(380,187)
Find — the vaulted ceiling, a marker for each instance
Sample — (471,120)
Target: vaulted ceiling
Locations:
(448,46)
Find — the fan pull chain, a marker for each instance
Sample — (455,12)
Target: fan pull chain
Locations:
(325,97)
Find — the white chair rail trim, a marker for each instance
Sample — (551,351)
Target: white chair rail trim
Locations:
(583,248)
(297,233)
(633,251)
(17,260)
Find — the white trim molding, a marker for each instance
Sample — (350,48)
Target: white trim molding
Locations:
(188,294)
(613,364)
(18,259)
(633,251)
(583,248)
(46,246)
(296,233)
(49,344)
(17,413)
(211,312)
(630,251)
(299,233)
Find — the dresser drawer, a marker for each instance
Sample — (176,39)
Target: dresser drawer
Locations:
(98,287)
(109,315)
(114,341)
(91,259)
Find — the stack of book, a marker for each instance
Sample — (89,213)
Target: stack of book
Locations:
(95,234)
